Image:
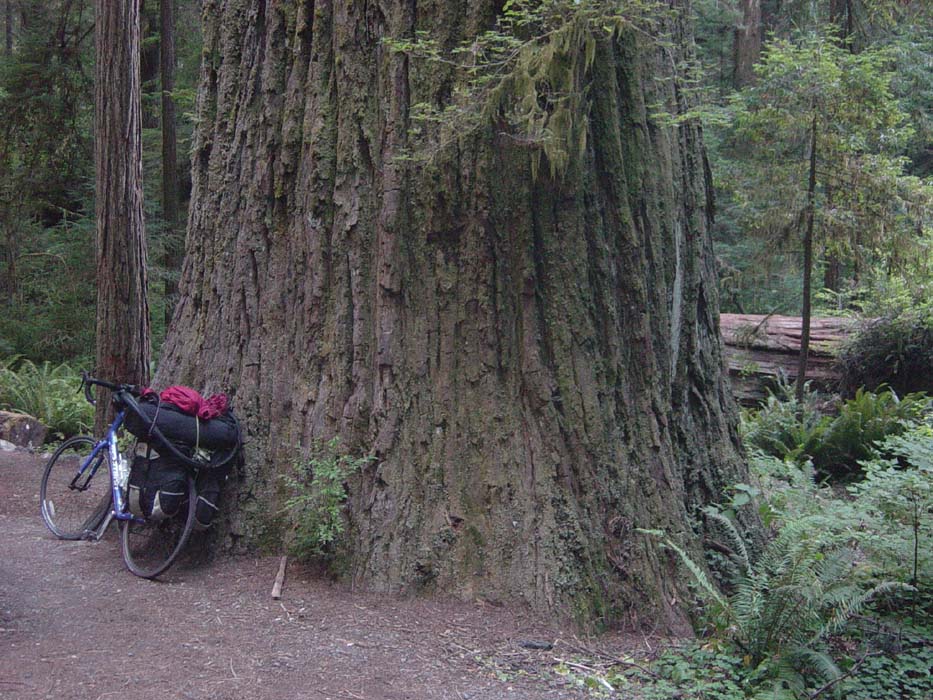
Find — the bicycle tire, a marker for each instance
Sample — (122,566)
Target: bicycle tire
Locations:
(71,511)
(150,547)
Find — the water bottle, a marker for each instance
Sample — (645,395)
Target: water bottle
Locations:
(121,470)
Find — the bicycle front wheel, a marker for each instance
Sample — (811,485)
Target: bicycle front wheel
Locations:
(151,547)
(75,494)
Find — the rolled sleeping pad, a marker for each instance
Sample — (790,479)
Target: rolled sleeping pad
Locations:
(220,433)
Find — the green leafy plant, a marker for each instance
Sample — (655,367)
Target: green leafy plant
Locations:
(861,427)
(315,510)
(819,118)
(895,498)
(47,392)
(785,426)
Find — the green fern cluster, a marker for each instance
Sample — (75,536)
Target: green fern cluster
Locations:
(804,587)
(835,445)
(46,392)
(888,513)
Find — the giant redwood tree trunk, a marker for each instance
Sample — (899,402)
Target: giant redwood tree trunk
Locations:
(535,363)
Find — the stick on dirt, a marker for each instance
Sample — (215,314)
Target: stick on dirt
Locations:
(279,579)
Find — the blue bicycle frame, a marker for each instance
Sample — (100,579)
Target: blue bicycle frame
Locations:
(119,510)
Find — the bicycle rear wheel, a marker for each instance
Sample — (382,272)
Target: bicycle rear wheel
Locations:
(73,502)
(151,547)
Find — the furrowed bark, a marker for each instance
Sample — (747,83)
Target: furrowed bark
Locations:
(122,308)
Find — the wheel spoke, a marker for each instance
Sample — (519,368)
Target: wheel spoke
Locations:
(74,501)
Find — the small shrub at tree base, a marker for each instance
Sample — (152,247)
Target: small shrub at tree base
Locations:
(315,509)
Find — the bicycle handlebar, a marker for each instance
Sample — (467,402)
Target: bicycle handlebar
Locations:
(87,381)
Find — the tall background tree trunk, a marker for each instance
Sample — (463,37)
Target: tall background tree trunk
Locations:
(747,44)
(171,246)
(122,307)
(535,364)
(8,27)
(149,61)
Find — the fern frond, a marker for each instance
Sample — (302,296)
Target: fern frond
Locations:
(699,575)
(819,663)
(735,538)
(776,690)
(848,608)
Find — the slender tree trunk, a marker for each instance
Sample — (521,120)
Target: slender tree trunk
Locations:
(170,261)
(8,13)
(807,269)
(832,271)
(842,16)
(122,307)
(149,61)
(11,253)
(534,363)
(747,44)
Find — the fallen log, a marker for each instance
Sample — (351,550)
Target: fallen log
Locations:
(760,351)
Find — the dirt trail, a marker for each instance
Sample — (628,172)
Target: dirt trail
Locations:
(75,625)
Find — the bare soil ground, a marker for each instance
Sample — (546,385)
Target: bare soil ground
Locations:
(75,625)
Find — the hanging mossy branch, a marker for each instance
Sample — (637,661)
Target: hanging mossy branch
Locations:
(526,77)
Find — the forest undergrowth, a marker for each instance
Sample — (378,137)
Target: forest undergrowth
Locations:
(837,602)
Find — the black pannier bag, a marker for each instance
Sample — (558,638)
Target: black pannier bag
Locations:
(157,488)
(209,483)
(185,443)
(220,433)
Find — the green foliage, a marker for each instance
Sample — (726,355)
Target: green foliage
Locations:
(886,515)
(46,171)
(896,499)
(866,207)
(896,349)
(47,393)
(804,587)
(862,424)
(867,82)
(837,445)
(695,671)
(838,598)
(315,509)
(49,315)
(527,75)
(902,672)
(784,427)
(47,223)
